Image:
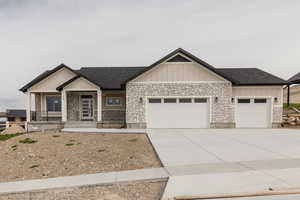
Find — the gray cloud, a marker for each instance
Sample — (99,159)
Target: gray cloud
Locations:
(38,35)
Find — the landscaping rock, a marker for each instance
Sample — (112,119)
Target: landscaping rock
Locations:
(14,129)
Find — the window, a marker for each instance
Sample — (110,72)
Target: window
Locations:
(185,100)
(113,101)
(243,100)
(260,100)
(152,100)
(170,100)
(53,103)
(200,100)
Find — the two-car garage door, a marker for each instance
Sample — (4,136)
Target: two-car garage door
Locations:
(171,112)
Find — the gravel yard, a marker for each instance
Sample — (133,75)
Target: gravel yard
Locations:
(137,191)
(45,155)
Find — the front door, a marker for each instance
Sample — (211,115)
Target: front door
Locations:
(87,107)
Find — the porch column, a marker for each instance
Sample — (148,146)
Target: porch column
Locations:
(64,106)
(99,105)
(288,95)
(28,107)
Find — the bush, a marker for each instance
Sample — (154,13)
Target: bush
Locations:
(292,105)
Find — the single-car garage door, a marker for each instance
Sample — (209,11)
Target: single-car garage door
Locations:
(170,112)
(253,113)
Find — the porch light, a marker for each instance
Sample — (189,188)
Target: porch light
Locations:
(216,99)
(141,100)
(275,99)
(232,100)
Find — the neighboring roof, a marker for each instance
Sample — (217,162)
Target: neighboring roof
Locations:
(2,114)
(251,76)
(188,55)
(44,75)
(16,113)
(295,78)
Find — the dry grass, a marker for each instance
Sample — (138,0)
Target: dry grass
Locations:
(44,155)
(138,191)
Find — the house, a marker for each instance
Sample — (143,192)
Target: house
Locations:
(292,91)
(15,117)
(177,91)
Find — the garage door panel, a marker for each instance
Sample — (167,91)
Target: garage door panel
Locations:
(255,114)
(177,115)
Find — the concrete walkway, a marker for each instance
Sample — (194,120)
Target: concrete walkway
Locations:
(103,130)
(151,174)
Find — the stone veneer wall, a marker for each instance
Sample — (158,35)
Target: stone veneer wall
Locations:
(73,106)
(222,111)
(277,116)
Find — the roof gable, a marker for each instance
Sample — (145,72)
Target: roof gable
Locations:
(188,56)
(44,75)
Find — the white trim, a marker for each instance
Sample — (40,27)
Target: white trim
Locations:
(258,86)
(44,91)
(99,104)
(255,97)
(28,107)
(80,90)
(209,101)
(176,82)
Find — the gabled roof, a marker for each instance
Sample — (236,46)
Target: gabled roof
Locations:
(188,55)
(16,113)
(116,77)
(295,78)
(44,75)
(251,76)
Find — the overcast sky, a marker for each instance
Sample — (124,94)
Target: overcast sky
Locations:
(37,35)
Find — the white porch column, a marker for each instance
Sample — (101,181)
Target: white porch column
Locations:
(28,107)
(99,105)
(64,106)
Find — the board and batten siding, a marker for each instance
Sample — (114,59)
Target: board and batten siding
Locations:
(53,81)
(170,72)
(257,91)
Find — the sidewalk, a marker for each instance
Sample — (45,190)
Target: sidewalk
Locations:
(151,174)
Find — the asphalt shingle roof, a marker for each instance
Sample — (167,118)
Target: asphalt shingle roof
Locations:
(110,77)
(116,77)
(251,76)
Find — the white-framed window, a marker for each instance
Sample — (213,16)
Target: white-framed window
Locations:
(53,103)
(113,101)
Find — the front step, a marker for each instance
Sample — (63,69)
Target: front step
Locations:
(81,124)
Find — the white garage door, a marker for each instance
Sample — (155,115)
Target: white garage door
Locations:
(177,112)
(253,113)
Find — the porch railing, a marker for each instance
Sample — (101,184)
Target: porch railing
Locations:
(45,116)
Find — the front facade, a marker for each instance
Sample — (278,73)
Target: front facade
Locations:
(178,91)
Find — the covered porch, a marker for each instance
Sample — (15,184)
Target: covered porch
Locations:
(64,106)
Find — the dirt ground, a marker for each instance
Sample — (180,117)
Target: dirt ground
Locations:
(137,191)
(46,155)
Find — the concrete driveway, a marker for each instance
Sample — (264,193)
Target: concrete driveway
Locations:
(206,146)
(206,161)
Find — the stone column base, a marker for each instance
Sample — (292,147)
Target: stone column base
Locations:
(222,125)
(136,125)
